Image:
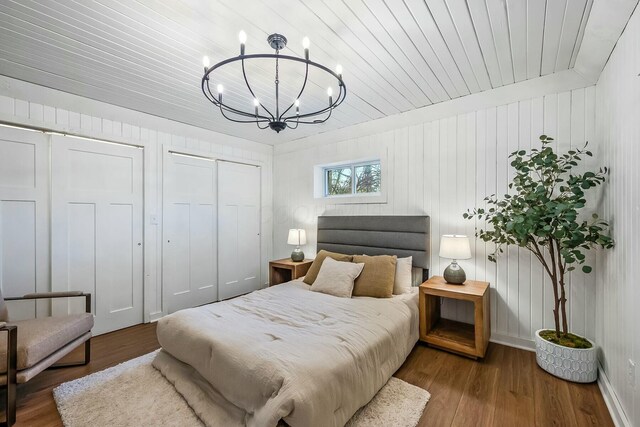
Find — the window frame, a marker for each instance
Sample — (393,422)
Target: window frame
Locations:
(354,178)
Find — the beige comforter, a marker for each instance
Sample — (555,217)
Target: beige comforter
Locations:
(288,353)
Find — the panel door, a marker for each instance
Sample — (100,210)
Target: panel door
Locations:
(189,256)
(24,219)
(96,233)
(239,225)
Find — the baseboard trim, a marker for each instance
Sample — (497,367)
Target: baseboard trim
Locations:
(155,316)
(520,343)
(611,400)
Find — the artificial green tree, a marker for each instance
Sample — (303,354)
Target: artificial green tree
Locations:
(542,214)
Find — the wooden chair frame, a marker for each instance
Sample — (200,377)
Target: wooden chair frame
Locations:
(12,349)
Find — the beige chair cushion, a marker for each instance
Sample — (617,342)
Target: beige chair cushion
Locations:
(377,277)
(38,338)
(314,269)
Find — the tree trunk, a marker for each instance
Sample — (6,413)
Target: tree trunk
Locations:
(553,272)
(556,302)
(563,305)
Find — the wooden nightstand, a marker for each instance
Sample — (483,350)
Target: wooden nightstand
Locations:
(284,270)
(457,337)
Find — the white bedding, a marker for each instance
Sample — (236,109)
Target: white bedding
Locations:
(287,353)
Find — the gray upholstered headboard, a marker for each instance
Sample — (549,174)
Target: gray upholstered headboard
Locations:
(402,236)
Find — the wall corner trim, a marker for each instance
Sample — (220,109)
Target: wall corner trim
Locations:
(611,400)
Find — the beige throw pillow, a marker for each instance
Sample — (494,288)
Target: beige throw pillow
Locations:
(403,280)
(377,278)
(336,277)
(317,263)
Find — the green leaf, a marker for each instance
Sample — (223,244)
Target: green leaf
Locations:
(586,269)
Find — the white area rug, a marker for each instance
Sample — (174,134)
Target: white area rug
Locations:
(134,393)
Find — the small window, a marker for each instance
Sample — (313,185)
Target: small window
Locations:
(354,179)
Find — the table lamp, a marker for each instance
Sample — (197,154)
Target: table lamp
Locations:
(454,247)
(297,237)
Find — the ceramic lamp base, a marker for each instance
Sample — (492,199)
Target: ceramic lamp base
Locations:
(454,274)
(297,255)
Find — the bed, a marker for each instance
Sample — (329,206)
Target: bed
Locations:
(286,354)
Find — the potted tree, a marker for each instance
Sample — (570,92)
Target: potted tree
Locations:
(541,213)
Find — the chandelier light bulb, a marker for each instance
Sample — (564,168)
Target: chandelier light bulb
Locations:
(242,36)
(206,62)
(256,103)
(296,103)
(220,88)
(339,69)
(306,42)
(330,92)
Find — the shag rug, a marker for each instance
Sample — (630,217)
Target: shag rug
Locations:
(134,393)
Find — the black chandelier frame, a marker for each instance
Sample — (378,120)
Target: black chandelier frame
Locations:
(280,120)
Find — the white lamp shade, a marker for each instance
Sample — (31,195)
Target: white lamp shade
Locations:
(455,246)
(297,236)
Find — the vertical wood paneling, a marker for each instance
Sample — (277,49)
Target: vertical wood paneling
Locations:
(618,293)
(524,256)
(442,168)
(501,282)
(513,266)
(490,170)
(538,285)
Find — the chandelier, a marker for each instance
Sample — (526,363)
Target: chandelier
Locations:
(275,116)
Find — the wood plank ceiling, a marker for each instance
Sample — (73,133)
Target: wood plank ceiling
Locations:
(397,55)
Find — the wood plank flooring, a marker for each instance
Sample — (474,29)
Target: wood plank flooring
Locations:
(505,389)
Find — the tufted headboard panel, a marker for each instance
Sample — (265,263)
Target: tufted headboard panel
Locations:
(402,236)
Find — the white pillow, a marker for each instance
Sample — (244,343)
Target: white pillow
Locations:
(337,277)
(403,280)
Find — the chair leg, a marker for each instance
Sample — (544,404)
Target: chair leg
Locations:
(10,404)
(87,351)
(87,358)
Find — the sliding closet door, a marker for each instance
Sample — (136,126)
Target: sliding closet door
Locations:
(189,274)
(239,225)
(24,218)
(96,233)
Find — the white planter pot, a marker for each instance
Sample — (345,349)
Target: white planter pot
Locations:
(579,365)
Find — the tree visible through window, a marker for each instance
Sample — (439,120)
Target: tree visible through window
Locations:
(368,178)
(361,178)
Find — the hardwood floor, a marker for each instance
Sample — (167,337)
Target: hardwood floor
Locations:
(36,406)
(505,389)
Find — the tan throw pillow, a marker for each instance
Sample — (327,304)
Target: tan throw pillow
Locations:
(403,280)
(317,263)
(377,277)
(336,278)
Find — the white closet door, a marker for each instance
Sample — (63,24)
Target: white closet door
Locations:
(239,225)
(96,233)
(189,274)
(24,218)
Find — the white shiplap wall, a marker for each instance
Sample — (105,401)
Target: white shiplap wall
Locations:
(618,292)
(24,103)
(441,168)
